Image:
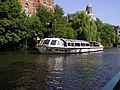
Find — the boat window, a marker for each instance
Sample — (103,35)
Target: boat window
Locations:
(70,44)
(53,42)
(96,44)
(46,41)
(65,44)
(92,43)
(58,43)
(87,44)
(77,44)
(82,44)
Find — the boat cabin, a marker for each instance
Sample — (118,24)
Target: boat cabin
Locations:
(94,44)
(58,42)
(60,45)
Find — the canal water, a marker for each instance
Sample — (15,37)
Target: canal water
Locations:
(29,70)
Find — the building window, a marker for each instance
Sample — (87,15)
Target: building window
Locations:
(26,8)
(36,10)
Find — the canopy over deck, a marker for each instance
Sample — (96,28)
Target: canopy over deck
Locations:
(74,41)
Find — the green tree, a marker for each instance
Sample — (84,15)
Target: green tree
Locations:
(29,28)
(106,32)
(9,15)
(85,27)
(47,20)
(35,27)
(17,30)
(61,27)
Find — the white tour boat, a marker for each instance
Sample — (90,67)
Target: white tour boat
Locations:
(59,45)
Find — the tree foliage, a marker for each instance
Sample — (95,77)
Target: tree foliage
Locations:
(85,27)
(9,15)
(61,27)
(17,30)
(46,18)
(107,33)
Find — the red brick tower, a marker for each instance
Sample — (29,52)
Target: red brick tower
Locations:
(30,6)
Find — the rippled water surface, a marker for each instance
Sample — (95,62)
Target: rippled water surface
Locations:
(28,70)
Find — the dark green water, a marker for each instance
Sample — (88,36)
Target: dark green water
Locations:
(28,70)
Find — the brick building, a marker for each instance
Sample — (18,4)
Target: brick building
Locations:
(30,6)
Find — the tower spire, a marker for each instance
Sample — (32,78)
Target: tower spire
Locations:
(89,11)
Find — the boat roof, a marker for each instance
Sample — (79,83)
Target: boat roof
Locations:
(75,41)
(52,38)
(69,40)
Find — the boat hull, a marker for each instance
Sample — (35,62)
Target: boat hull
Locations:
(44,49)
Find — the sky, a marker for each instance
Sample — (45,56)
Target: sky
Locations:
(108,11)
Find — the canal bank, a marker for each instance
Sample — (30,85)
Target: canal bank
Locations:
(30,70)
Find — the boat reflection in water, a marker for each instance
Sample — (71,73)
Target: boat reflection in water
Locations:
(55,69)
(71,72)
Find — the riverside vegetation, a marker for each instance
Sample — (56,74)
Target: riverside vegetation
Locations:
(19,31)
